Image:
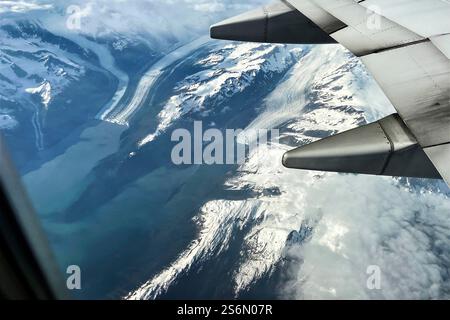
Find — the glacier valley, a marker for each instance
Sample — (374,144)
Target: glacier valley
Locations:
(88,119)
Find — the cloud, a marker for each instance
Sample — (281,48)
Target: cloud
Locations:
(356,221)
(166,21)
(21,6)
(344,223)
(365,221)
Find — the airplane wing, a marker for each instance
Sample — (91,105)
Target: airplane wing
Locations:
(405,44)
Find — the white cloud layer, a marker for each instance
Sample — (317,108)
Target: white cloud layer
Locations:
(363,221)
(163,20)
(21,6)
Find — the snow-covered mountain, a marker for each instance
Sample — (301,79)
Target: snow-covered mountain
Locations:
(281,226)
(89,114)
(227,70)
(213,82)
(310,102)
(43,81)
(52,54)
(34,63)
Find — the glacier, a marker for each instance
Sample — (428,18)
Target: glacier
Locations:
(325,92)
(89,114)
(230,69)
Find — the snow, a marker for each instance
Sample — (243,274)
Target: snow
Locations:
(331,78)
(349,233)
(107,62)
(121,114)
(44,90)
(219,219)
(230,70)
(24,62)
